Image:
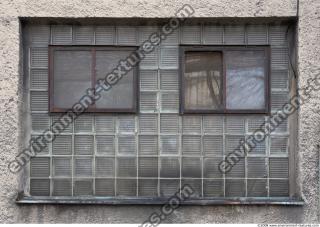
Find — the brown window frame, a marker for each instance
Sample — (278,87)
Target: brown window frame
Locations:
(222,49)
(93,49)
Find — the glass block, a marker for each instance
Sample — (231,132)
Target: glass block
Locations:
(126,187)
(83,167)
(280,80)
(278,167)
(279,188)
(151,60)
(104,124)
(170,167)
(127,145)
(232,143)
(191,145)
(257,34)
(39,57)
(169,145)
(211,168)
(195,184)
(279,58)
(191,35)
(148,80)
(39,79)
(127,123)
(256,168)
(234,34)
(213,145)
(257,188)
(83,123)
(191,124)
(277,35)
(255,123)
(39,101)
(145,32)
(126,167)
(238,170)
(83,187)
(62,167)
(105,167)
(148,167)
(213,124)
(127,35)
(40,187)
(168,187)
(169,80)
(235,188)
(260,148)
(283,127)
(105,145)
(83,145)
(212,34)
(83,35)
(169,58)
(191,167)
(36,145)
(40,122)
(62,145)
(104,187)
(65,121)
(61,34)
(169,123)
(213,188)
(62,187)
(148,101)
(172,39)
(278,99)
(170,102)
(235,125)
(40,35)
(40,167)
(279,145)
(148,187)
(148,145)
(148,123)
(105,35)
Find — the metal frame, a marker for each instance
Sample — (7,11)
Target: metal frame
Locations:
(221,48)
(93,49)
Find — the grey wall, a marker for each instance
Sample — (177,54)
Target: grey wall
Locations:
(11,94)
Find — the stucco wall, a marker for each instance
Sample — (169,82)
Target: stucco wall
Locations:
(11,94)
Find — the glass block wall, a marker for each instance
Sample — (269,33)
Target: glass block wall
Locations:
(153,153)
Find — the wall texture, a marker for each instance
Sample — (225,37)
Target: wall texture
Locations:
(11,93)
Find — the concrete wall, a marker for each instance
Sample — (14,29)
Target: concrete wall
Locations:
(11,93)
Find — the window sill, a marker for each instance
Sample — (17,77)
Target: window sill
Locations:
(284,201)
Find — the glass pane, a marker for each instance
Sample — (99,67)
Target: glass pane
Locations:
(203,80)
(72,76)
(245,74)
(120,96)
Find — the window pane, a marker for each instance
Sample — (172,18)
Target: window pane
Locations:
(203,80)
(71,77)
(245,74)
(121,95)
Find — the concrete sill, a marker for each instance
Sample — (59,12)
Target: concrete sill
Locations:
(283,201)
